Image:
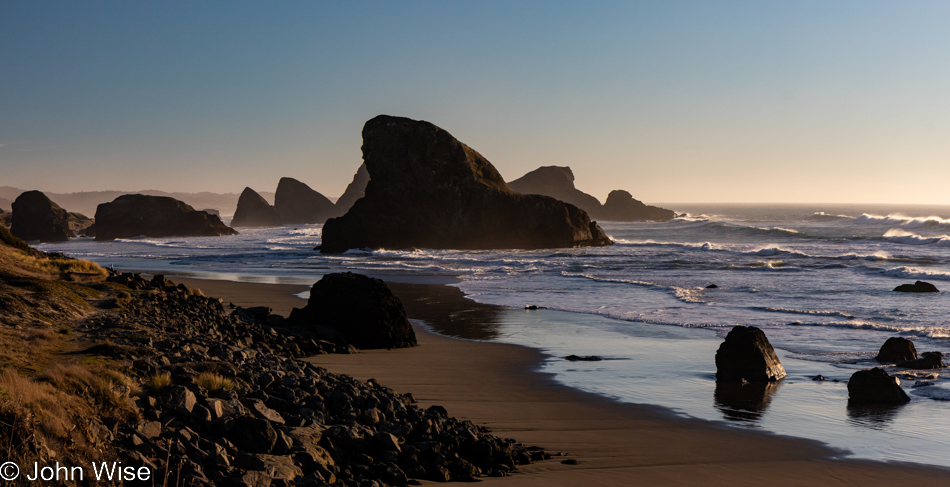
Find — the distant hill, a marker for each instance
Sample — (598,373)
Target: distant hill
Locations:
(85,202)
(6,204)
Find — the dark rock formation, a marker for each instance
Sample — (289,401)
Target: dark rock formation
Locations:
(79,224)
(295,202)
(363,309)
(875,386)
(36,217)
(556,182)
(583,358)
(896,350)
(746,354)
(354,191)
(927,361)
(427,189)
(254,211)
(621,206)
(212,211)
(917,287)
(132,215)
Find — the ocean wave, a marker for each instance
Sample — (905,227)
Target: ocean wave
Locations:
(907,238)
(812,312)
(820,216)
(685,294)
(904,221)
(916,273)
(687,217)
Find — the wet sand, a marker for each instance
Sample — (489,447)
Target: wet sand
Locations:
(499,385)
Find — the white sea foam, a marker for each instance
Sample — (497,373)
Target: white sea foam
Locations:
(916,273)
(904,237)
(904,221)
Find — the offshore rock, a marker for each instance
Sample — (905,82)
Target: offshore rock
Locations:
(621,206)
(254,211)
(917,287)
(556,182)
(36,217)
(747,355)
(133,215)
(927,361)
(427,189)
(896,350)
(363,309)
(354,191)
(875,386)
(296,202)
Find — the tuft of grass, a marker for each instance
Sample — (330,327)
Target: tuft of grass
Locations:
(214,383)
(35,402)
(157,382)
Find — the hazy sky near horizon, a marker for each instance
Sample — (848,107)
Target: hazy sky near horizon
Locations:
(675,101)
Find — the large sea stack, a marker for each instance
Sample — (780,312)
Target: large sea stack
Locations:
(296,202)
(36,217)
(254,211)
(556,182)
(354,191)
(427,189)
(621,206)
(132,215)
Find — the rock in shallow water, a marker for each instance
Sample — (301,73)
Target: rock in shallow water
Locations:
(917,287)
(896,350)
(875,386)
(746,354)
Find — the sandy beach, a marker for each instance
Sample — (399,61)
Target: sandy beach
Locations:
(498,385)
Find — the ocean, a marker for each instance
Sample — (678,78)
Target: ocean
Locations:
(818,279)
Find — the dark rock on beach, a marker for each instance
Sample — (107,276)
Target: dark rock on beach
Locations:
(254,211)
(896,350)
(361,308)
(875,386)
(583,358)
(133,215)
(427,189)
(296,202)
(747,355)
(622,206)
(917,287)
(36,217)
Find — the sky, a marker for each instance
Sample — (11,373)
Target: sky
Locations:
(674,101)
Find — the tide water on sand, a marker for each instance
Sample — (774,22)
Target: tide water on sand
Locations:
(817,279)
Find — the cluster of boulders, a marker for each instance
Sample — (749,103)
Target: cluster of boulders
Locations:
(226,403)
(746,356)
(36,217)
(296,203)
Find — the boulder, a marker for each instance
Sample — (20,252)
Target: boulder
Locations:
(927,361)
(36,217)
(621,206)
(363,309)
(254,435)
(917,287)
(295,202)
(354,191)
(896,350)
(427,189)
(875,386)
(747,355)
(254,211)
(132,215)
(556,182)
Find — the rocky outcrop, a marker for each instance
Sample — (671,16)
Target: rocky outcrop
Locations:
(875,387)
(917,287)
(354,191)
(927,361)
(621,206)
(212,211)
(133,215)
(896,350)
(36,217)
(79,224)
(556,182)
(254,211)
(295,202)
(747,355)
(427,189)
(360,308)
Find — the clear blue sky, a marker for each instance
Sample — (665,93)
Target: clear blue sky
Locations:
(805,101)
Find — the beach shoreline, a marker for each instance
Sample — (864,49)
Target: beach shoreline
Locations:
(500,386)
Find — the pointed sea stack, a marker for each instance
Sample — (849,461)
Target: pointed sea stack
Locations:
(747,355)
(36,217)
(132,215)
(254,211)
(296,202)
(354,191)
(427,189)
(556,182)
